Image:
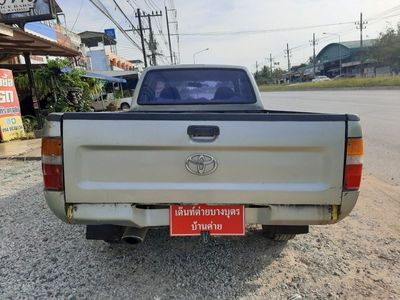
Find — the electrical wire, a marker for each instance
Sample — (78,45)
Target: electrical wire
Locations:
(219,33)
(347,30)
(77,16)
(100,6)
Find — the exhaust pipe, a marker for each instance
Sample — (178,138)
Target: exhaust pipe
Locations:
(134,235)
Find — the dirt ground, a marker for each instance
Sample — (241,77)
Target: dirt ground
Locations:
(357,258)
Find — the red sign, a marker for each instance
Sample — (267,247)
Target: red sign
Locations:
(10,114)
(192,220)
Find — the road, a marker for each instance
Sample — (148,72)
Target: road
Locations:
(380,116)
(358,258)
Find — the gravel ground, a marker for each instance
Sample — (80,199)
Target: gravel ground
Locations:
(41,257)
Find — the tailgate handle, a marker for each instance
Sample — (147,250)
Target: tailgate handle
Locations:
(203,133)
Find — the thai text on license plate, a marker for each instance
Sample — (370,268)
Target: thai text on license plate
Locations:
(192,220)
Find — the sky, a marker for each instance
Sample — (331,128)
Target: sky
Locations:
(240,32)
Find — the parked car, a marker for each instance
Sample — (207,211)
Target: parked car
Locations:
(200,154)
(321,78)
(100,104)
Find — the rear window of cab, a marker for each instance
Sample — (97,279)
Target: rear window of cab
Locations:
(196,86)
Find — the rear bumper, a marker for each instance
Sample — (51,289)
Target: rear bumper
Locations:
(130,215)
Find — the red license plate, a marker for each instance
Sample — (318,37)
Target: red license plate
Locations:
(192,220)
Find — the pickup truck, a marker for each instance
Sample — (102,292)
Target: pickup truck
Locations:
(200,154)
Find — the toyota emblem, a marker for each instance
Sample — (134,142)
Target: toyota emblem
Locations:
(201,164)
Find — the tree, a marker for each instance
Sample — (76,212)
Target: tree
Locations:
(387,49)
(263,76)
(63,91)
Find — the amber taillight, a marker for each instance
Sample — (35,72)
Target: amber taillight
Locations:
(52,164)
(354,164)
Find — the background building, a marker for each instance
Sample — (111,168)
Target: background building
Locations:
(351,55)
(101,52)
(345,59)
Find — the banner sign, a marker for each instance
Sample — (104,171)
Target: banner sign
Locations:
(24,11)
(11,126)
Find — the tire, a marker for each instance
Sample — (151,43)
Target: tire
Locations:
(125,106)
(282,237)
(283,232)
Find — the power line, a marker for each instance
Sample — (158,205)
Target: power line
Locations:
(100,6)
(77,16)
(376,18)
(218,33)
(123,13)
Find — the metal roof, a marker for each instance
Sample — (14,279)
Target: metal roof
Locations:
(356,44)
(117,73)
(348,49)
(93,38)
(14,41)
(104,77)
(96,75)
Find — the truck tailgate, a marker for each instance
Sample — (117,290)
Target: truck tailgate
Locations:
(262,158)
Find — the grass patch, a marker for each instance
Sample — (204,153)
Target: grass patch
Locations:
(389,81)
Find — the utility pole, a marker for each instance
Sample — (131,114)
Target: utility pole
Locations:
(287,52)
(152,42)
(314,42)
(152,45)
(256,67)
(361,26)
(138,15)
(270,64)
(177,55)
(169,36)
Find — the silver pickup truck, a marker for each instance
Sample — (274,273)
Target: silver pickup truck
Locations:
(198,153)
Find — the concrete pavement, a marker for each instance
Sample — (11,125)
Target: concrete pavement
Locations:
(21,150)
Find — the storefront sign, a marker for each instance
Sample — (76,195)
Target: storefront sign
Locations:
(24,11)
(11,126)
(14,6)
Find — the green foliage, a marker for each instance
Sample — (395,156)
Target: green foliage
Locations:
(30,123)
(265,76)
(387,49)
(67,91)
(123,94)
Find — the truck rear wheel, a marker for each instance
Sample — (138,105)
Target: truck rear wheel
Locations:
(282,237)
(283,232)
